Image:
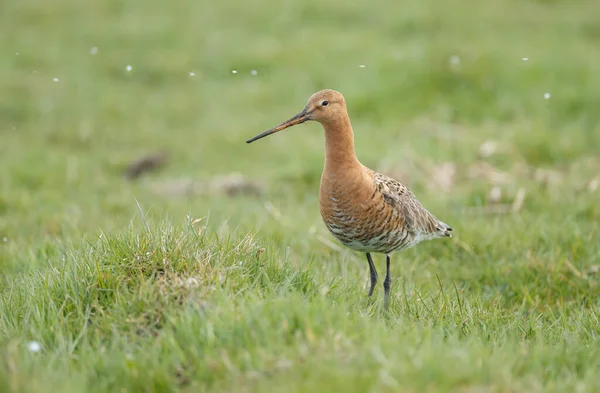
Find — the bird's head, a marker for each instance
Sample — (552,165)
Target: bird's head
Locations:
(324,106)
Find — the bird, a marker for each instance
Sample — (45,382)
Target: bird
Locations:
(365,210)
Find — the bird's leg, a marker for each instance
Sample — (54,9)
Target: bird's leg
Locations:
(387,282)
(373,274)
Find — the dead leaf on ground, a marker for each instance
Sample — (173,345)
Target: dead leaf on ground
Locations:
(235,184)
(594,184)
(486,172)
(518,201)
(146,163)
(501,208)
(228,185)
(443,176)
(547,177)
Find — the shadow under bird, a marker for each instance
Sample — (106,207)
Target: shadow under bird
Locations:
(365,210)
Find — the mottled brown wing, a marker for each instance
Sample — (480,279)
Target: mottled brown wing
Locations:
(417,219)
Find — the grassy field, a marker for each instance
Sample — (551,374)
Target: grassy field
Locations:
(215,272)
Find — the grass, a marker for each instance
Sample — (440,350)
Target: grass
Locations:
(132,286)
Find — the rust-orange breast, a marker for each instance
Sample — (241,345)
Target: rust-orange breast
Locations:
(357,214)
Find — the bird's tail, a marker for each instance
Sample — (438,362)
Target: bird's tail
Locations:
(444,229)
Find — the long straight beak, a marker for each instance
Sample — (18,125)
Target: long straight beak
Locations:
(298,119)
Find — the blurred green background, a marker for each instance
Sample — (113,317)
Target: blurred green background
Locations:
(488,111)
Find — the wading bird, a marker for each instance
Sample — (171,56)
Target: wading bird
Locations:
(365,210)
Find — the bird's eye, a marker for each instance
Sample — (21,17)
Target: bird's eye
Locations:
(325,103)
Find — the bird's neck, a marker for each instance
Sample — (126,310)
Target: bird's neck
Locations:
(339,145)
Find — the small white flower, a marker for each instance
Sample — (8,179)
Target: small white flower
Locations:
(55,79)
(546,96)
(5,239)
(192,74)
(454,60)
(34,346)
(525,58)
(128,68)
(94,50)
(254,72)
(233,71)
(362,66)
